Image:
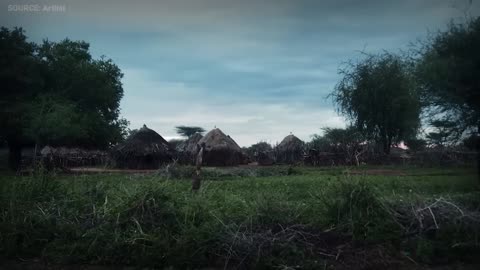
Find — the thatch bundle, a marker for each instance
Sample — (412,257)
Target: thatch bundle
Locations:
(187,150)
(145,149)
(290,150)
(221,150)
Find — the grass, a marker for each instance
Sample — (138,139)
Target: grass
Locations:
(278,217)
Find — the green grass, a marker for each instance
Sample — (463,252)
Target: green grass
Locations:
(242,217)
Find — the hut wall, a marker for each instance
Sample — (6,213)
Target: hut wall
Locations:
(145,162)
(222,157)
(289,156)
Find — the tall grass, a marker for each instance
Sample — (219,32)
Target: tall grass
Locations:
(306,220)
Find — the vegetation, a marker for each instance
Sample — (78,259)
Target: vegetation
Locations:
(56,93)
(449,76)
(379,96)
(246,217)
(314,218)
(187,131)
(346,142)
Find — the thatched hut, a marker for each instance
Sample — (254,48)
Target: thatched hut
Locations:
(145,149)
(187,150)
(221,150)
(290,150)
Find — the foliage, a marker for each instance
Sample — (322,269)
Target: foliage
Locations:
(259,147)
(56,93)
(445,133)
(21,77)
(449,75)
(378,95)
(471,142)
(415,144)
(348,142)
(92,86)
(188,131)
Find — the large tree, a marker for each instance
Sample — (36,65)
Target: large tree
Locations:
(449,75)
(378,95)
(56,93)
(21,80)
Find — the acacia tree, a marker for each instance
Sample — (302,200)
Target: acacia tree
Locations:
(378,96)
(188,131)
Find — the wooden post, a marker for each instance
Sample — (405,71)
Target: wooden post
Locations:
(196,181)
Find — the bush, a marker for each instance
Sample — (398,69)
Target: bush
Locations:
(356,208)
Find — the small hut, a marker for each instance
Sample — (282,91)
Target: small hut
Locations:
(145,149)
(221,150)
(290,150)
(187,150)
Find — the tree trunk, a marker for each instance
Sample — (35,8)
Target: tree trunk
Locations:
(14,155)
(386,146)
(478,152)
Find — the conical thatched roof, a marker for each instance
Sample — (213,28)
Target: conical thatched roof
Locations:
(290,150)
(145,149)
(220,149)
(290,143)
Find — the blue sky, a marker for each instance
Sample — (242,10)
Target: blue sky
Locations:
(256,69)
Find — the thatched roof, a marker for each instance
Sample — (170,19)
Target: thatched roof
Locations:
(290,150)
(144,149)
(290,143)
(221,149)
(144,141)
(217,140)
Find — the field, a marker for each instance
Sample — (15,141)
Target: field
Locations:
(242,218)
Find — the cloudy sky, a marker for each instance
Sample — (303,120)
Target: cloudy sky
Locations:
(256,69)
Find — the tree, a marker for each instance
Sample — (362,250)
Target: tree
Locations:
(260,147)
(448,72)
(55,93)
(345,141)
(378,96)
(91,87)
(20,75)
(445,133)
(415,144)
(188,131)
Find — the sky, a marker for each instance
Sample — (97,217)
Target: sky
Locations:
(258,70)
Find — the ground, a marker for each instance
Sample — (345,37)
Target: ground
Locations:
(253,217)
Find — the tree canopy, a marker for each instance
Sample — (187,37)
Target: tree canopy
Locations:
(449,75)
(379,97)
(56,93)
(188,131)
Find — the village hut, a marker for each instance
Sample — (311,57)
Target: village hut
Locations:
(145,149)
(221,150)
(187,150)
(290,150)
